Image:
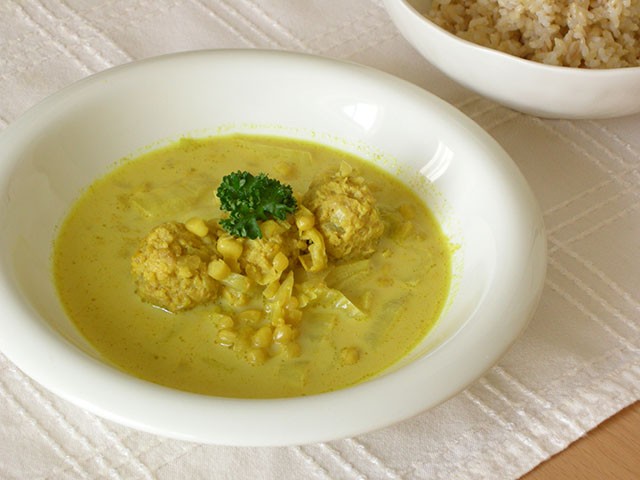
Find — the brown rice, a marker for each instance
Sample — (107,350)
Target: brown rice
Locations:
(572,33)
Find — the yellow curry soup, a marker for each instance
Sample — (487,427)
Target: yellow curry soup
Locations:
(322,301)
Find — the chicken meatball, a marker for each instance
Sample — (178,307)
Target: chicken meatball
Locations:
(346,214)
(170,268)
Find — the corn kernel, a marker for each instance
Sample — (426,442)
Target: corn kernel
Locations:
(271,289)
(229,247)
(251,316)
(234,297)
(262,338)
(277,321)
(283,333)
(349,356)
(293,303)
(291,350)
(270,228)
(294,316)
(245,332)
(256,356)
(305,222)
(222,321)
(197,226)
(218,269)
(280,262)
(237,282)
(227,337)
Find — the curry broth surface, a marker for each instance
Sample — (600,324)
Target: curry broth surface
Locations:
(410,280)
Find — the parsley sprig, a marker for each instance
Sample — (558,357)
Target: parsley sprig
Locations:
(250,199)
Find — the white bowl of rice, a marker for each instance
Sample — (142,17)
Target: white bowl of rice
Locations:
(550,58)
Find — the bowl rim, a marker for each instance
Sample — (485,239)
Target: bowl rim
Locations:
(236,416)
(532,64)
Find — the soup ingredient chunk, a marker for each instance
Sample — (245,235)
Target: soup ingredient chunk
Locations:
(250,199)
(346,214)
(170,268)
(265,259)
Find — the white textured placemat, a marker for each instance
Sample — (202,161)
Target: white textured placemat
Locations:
(576,365)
